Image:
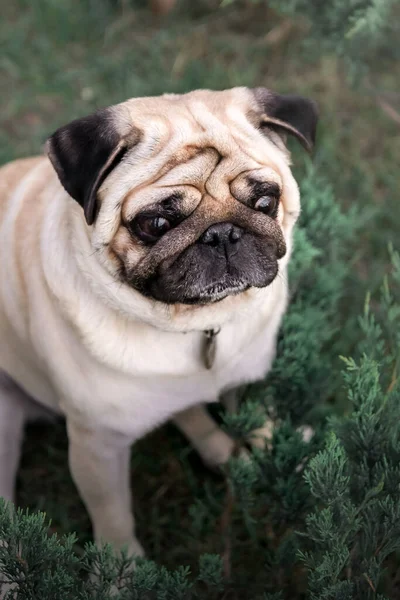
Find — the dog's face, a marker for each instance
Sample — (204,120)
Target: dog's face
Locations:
(190,196)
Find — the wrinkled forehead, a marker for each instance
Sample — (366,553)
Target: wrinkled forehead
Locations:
(187,138)
(201,110)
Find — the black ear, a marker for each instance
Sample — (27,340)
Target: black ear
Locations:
(84,152)
(291,114)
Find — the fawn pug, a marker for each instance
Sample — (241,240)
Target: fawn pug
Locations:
(139,277)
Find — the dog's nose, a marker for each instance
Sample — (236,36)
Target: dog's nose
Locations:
(222,236)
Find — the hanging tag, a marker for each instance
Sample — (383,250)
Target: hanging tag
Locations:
(210,347)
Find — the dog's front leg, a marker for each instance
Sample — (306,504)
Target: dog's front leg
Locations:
(231,400)
(99,463)
(214,445)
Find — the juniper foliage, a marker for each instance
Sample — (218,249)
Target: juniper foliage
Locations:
(356,478)
(357,31)
(35,565)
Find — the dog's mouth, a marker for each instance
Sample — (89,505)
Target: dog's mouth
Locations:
(219,291)
(201,276)
(202,295)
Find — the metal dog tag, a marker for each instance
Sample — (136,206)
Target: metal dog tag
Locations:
(210,347)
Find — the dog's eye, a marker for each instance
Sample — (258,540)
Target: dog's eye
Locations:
(150,229)
(267,205)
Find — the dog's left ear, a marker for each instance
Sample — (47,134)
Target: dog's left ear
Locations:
(85,151)
(295,115)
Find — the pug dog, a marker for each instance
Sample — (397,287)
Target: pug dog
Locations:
(143,274)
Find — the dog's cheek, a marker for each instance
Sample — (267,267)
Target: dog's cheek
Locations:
(259,260)
(281,215)
(124,253)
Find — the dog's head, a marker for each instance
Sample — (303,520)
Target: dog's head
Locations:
(190,196)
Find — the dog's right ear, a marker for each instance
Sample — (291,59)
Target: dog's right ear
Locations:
(85,151)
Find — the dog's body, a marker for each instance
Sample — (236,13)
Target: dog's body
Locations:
(106,349)
(64,339)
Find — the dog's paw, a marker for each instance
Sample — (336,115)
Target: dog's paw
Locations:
(307,432)
(135,549)
(132,547)
(216,449)
(261,437)
(217,455)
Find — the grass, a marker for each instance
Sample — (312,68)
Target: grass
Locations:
(62,60)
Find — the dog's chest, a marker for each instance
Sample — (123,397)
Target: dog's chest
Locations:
(132,381)
(136,381)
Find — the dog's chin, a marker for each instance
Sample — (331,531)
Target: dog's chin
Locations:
(216,293)
(206,293)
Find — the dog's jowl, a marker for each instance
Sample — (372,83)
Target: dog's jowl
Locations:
(143,274)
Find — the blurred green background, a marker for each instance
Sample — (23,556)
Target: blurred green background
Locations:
(62,60)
